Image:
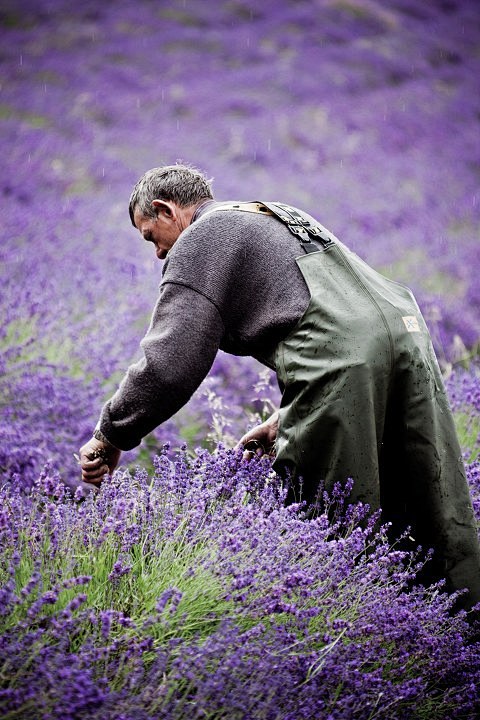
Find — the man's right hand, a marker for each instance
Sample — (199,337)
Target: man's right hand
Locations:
(97,459)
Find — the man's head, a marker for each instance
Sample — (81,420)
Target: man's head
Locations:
(163,201)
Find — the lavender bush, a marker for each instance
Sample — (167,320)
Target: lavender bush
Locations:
(187,590)
(196,593)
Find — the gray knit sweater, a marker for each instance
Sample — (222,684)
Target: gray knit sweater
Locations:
(231,282)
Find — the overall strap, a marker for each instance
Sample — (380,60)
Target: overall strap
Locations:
(299,225)
(294,219)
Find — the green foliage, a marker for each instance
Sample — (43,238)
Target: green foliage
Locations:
(468,429)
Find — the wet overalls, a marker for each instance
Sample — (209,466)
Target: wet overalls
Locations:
(363,398)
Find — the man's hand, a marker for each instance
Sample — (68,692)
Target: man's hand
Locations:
(261,439)
(97,459)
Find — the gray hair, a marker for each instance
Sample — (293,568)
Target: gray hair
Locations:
(181,184)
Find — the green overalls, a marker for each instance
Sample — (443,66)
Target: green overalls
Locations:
(363,398)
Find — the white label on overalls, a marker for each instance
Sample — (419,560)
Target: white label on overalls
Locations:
(411,323)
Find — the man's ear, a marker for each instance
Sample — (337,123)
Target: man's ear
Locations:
(165,208)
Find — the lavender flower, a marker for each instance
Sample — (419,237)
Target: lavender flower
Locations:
(230,603)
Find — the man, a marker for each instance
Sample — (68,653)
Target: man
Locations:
(362,393)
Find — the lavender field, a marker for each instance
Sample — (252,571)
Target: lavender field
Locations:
(186,589)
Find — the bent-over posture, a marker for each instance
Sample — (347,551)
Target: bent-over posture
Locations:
(362,394)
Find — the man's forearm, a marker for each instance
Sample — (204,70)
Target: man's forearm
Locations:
(98,435)
(179,350)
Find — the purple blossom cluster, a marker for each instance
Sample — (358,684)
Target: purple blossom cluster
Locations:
(197,593)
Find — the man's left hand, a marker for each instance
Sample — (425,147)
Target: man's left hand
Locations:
(261,439)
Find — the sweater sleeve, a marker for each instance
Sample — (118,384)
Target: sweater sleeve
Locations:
(178,351)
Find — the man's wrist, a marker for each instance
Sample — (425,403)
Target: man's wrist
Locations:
(98,435)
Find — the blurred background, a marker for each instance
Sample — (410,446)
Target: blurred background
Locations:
(365,113)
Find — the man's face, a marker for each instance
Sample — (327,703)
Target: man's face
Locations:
(162,230)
